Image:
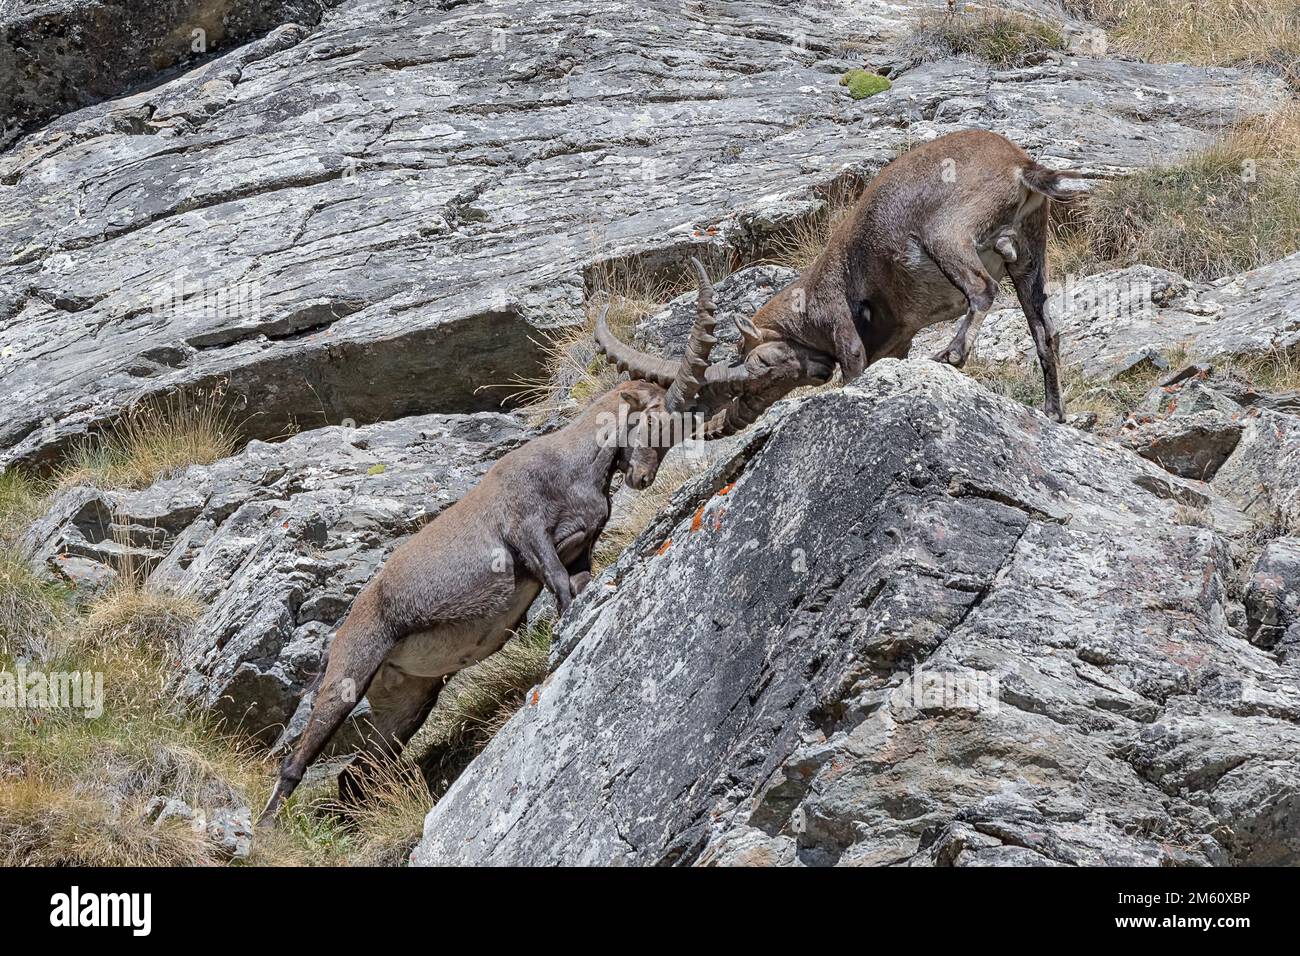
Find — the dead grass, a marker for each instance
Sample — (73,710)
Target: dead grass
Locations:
(156,439)
(33,611)
(477,702)
(1258,33)
(1003,38)
(139,616)
(21,501)
(1109,400)
(1277,370)
(44,825)
(384,831)
(573,372)
(1231,208)
(636,513)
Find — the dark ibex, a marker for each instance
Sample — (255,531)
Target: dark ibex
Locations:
(451,595)
(929,241)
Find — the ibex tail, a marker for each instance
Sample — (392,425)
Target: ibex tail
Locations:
(1061,185)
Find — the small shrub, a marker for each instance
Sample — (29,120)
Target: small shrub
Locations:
(863,83)
(156,439)
(999,37)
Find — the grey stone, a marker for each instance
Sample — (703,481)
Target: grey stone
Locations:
(373,218)
(907,622)
(1192,445)
(1108,320)
(228,831)
(1273,592)
(1263,474)
(57,56)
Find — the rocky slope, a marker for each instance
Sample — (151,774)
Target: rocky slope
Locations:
(923,625)
(910,623)
(370,218)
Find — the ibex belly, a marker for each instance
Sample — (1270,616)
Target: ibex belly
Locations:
(931,296)
(449,647)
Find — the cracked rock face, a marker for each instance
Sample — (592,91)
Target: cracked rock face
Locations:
(371,217)
(59,55)
(275,542)
(907,622)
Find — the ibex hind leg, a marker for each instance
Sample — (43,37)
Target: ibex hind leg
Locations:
(399,705)
(1029,275)
(959,260)
(354,658)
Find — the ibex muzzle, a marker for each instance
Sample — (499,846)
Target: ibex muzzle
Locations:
(452,595)
(930,240)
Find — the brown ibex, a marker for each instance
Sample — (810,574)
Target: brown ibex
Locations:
(452,594)
(929,241)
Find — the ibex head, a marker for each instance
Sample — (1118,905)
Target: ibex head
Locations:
(728,396)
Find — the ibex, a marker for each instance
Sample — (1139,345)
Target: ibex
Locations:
(452,594)
(929,240)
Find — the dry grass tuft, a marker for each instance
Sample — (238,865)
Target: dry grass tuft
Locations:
(1231,208)
(21,501)
(1259,33)
(999,37)
(636,513)
(139,617)
(573,372)
(385,829)
(1277,370)
(43,825)
(156,439)
(33,611)
(478,701)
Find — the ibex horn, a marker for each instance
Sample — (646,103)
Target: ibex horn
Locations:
(627,359)
(695,362)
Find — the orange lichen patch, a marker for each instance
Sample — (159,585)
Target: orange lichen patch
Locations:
(726,489)
(537,696)
(698,521)
(665,546)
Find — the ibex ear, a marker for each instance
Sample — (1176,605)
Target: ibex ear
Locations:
(749,333)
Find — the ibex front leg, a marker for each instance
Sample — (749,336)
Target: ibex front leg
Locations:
(538,552)
(959,261)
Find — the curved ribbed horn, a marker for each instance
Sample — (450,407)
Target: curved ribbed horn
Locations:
(738,414)
(694,366)
(627,359)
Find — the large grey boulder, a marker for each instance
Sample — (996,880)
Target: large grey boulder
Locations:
(908,622)
(57,56)
(275,542)
(373,217)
